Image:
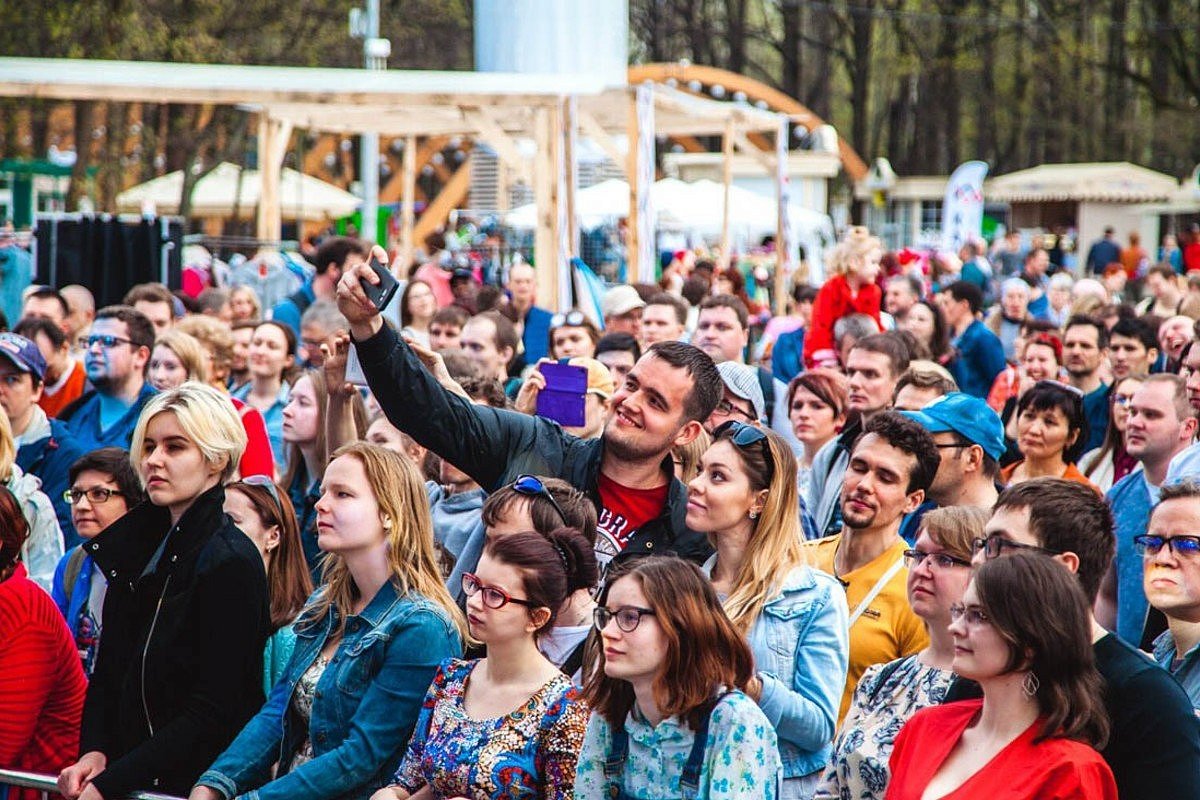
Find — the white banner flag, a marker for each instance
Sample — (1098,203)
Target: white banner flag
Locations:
(962,209)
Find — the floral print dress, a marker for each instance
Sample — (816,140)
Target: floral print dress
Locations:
(887,696)
(529,753)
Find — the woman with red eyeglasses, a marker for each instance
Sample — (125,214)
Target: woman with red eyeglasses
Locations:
(510,724)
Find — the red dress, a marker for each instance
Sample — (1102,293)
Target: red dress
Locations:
(1054,769)
(834,301)
(42,685)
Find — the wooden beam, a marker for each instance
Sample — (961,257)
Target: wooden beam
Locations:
(640,244)
(451,197)
(570,173)
(392,191)
(548,256)
(690,144)
(270,222)
(746,146)
(782,248)
(408,185)
(595,131)
(504,145)
(727,182)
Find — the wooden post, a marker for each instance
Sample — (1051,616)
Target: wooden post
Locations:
(782,248)
(570,128)
(408,190)
(639,168)
(546,182)
(727,180)
(270,221)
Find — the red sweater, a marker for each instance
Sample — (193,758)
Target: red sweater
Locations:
(834,301)
(257,458)
(43,686)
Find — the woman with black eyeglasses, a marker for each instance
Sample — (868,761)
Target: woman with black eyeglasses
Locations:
(104,487)
(572,335)
(795,618)
(509,724)
(939,567)
(673,713)
(1052,429)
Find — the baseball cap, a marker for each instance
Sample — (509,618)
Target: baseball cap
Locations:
(966,415)
(742,381)
(621,300)
(23,354)
(600,380)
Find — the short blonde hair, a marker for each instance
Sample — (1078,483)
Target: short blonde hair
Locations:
(207,418)
(188,350)
(851,252)
(956,528)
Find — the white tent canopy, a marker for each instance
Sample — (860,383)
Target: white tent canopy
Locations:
(302,197)
(697,209)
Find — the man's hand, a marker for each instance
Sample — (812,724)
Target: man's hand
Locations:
(75,778)
(352,301)
(533,385)
(336,350)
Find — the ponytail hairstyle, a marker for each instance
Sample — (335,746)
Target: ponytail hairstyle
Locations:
(553,566)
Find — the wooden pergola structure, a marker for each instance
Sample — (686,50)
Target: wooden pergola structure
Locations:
(497,108)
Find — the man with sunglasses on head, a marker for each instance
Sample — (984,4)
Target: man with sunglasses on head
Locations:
(627,473)
(116,353)
(890,468)
(1154,744)
(1170,552)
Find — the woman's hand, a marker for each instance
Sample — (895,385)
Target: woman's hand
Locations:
(75,778)
(205,793)
(336,351)
(353,302)
(392,792)
(436,366)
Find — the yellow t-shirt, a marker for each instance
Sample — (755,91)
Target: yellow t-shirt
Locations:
(887,629)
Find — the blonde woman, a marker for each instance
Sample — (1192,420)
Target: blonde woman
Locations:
(217,340)
(795,618)
(245,305)
(186,611)
(854,264)
(179,357)
(44,546)
(686,457)
(367,645)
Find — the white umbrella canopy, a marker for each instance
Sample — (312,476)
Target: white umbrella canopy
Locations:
(301,196)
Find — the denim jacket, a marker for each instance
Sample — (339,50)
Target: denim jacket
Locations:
(363,711)
(801,646)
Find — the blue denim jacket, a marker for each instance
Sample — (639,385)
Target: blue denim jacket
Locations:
(364,707)
(801,646)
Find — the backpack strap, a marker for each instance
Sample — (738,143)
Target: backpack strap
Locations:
(574,660)
(766,382)
(300,299)
(71,572)
(887,672)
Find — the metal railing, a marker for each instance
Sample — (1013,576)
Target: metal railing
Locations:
(48,785)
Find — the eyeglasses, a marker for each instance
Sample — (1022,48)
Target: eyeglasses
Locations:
(725,408)
(493,597)
(575,319)
(913,558)
(95,495)
(994,545)
(974,615)
(744,434)
(532,486)
(627,617)
(1149,545)
(1122,399)
(262,481)
(106,342)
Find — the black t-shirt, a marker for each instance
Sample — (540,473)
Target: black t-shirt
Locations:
(1154,743)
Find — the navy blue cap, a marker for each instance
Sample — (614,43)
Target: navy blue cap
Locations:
(966,415)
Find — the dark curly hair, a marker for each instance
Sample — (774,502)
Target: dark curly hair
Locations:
(909,437)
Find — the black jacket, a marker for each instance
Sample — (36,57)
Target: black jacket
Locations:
(494,445)
(180,666)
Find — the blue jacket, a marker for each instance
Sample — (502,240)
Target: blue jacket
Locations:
(801,650)
(536,337)
(979,360)
(1102,253)
(289,310)
(1131,500)
(82,419)
(364,708)
(50,459)
(787,356)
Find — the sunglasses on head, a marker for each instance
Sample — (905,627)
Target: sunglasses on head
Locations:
(532,486)
(573,318)
(743,433)
(263,482)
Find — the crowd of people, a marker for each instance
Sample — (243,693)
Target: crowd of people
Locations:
(931,533)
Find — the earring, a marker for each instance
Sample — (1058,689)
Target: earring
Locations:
(387,523)
(1030,684)
(753,515)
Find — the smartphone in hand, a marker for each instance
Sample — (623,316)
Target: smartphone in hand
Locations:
(382,293)
(564,399)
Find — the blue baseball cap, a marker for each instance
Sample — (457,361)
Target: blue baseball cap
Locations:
(23,354)
(966,415)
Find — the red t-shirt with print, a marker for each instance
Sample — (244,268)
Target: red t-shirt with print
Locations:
(622,511)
